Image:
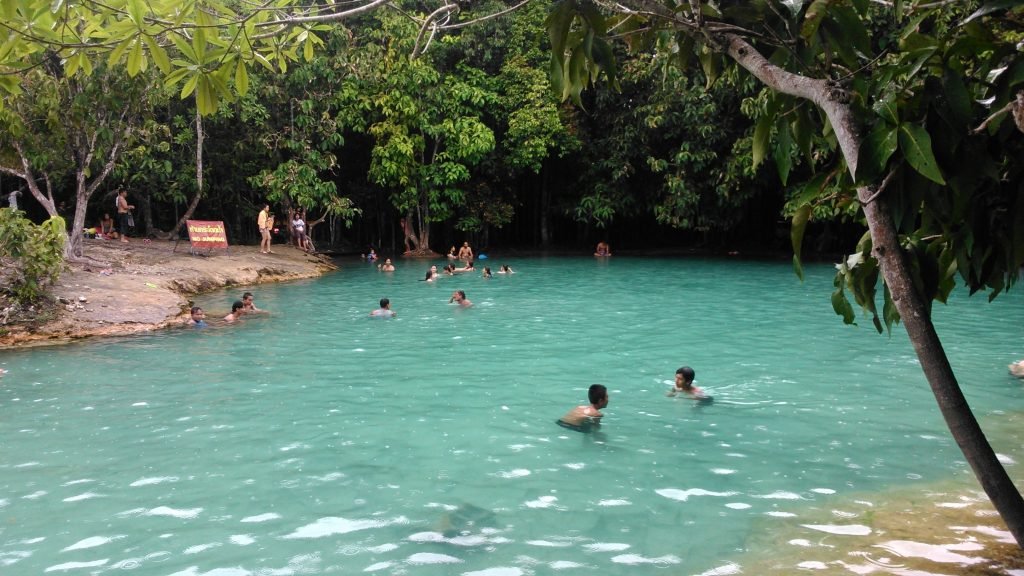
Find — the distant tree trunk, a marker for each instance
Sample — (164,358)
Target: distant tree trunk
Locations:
(199,177)
(545,218)
(909,302)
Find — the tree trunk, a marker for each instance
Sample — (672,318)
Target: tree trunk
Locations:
(199,177)
(913,309)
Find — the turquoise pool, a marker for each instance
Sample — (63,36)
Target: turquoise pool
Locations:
(317,440)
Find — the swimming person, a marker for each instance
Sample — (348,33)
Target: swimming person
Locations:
(387,266)
(459,297)
(431,275)
(248,304)
(197,318)
(487,272)
(684,384)
(385,310)
(582,418)
(237,311)
(1017,369)
(603,249)
(505,269)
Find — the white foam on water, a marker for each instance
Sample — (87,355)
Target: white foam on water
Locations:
(799,542)
(334,525)
(378,566)
(1003,536)
(468,540)
(606,547)
(497,571)
(241,539)
(738,505)
(91,542)
(184,513)
(542,502)
(431,558)
(4,502)
(780,495)
(812,565)
(684,495)
(575,465)
(635,559)
(35,495)
(620,502)
(725,570)
(383,548)
(840,530)
(201,547)
(1005,459)
(781,514)
(548,544)
(520,447)
(426,537)
(448,507)
(823,490)
(75,565)
(153,480)
(141,404)
(82,496)
(73,482)
(261,517)
(722,471)
(844,514)
(517,473)
(946,554)
(330,477)
(565,565)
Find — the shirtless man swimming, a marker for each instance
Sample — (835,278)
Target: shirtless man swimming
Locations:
(583,417)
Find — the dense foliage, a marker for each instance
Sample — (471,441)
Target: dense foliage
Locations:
(32,255)
(468,139)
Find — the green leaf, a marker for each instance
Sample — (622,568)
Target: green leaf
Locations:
(875,151)
(916,145)
(796,236)
(783,150)
(887,109)
(307,49)
(990,7)
(159,54)
(241,78)
(119,50)
(812,19)
(762,132)
(189,86)
(137,11)
(135,59)
(842,306)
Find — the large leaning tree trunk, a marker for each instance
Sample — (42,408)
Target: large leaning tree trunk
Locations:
(914,311)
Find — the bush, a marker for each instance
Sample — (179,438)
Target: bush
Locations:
(32,255)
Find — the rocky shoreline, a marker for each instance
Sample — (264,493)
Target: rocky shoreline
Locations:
(119,289)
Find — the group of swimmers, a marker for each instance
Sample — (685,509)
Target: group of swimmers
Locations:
(239,308)
(450,270)
(586,417)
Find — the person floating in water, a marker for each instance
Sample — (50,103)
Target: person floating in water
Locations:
(385,310)
(603,249)
(505,269)
(585,417)
(684,384)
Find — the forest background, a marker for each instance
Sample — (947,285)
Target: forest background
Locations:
(468,140)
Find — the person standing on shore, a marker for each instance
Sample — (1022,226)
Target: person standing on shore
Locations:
(263,222)
(408,235)
(123,212)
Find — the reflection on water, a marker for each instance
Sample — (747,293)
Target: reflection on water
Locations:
(315,439)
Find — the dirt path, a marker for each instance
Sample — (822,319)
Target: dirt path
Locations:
(141,286)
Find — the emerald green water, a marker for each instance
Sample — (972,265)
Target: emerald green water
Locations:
(315,439)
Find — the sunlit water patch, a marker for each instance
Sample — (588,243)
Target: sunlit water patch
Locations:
(314,439)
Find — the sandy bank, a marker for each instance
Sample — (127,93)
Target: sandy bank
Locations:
(130,288)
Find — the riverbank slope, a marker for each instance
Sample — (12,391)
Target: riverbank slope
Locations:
(123,289)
